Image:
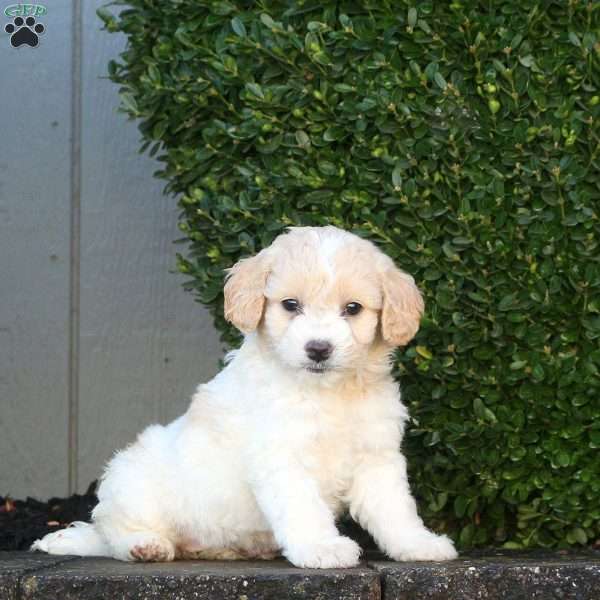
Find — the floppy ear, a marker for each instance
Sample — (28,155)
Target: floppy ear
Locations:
(244,292)
(402,309)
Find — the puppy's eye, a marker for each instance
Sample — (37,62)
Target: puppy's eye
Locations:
(291,305)
(352,308)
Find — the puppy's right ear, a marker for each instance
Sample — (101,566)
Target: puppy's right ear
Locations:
(245,291)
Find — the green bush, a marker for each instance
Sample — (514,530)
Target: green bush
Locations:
(462,137)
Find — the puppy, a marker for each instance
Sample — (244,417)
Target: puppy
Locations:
(304,422)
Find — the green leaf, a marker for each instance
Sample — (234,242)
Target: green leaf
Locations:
(527,61)
(333,134)
(577,535)
(512,546)
(440,81)
(563,459)
(222,7)
(255,90)
(397,177)
(107,17)
(412,17)
(238,27)
(478,407)
(460,506)
(343,87)
(424,352)
(302,139)
(508,301)
(267,21)
(466,535)
(574,39)
(129,102)
(483,412)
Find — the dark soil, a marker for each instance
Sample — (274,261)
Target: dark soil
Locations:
(24,521)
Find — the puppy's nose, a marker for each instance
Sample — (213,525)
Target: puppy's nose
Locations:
(318,350)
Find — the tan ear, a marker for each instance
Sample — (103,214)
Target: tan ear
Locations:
(244,292)
(402,309)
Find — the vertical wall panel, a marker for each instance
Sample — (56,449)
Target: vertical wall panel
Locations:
(144,342)
(35,130)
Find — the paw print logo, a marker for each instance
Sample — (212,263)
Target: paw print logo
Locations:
(24,31)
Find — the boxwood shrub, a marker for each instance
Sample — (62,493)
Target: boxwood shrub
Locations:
(462,137)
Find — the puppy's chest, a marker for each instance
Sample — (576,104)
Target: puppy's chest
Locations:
(330,451)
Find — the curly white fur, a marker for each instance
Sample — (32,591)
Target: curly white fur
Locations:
(276,446)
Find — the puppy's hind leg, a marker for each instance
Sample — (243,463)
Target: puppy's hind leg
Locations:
(132,538)
(142,546)
(81,539)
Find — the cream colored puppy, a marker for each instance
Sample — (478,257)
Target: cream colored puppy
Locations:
(303,422)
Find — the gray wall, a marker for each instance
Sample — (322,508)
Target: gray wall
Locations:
(97,337)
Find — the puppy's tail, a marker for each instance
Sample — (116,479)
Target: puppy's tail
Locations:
(81,539)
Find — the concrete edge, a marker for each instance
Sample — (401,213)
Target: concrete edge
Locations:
(16,565)
(490,576)
(531,576)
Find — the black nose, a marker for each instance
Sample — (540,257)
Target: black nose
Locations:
(318,350)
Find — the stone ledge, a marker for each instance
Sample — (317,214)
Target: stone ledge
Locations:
(15,565)
(105,579)
(495,575)
(481,576)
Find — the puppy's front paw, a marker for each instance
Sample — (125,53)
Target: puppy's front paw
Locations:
(337,552)
(422,544)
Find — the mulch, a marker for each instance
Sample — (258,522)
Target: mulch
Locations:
(24,521)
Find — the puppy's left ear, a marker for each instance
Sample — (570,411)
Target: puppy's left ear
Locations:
(403,306)
(245,291)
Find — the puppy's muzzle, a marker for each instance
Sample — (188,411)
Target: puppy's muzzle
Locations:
(318,350)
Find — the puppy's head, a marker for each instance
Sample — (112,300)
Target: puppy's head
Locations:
(323,298)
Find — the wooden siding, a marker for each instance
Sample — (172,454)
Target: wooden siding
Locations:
(97,337)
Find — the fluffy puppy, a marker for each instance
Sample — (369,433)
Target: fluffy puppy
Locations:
(303,422)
